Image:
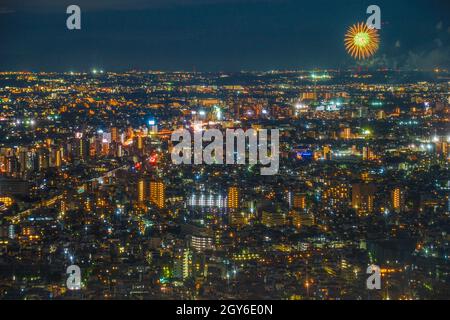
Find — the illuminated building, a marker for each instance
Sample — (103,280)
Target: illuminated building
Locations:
(442,149)
(58,160)
(182,261)
(201,243)
(44,161)
(274,218)
(346,134)
(153,127)
(397,199)
(295,218)
(130,133)
(245,256)
(327,154)
(233,198)
(105,148)
(201,200)
(157,194)
(300,219)
(299,201)
(381,115)
(29,234)
(367,154)
(11,232)
(141,191)
(363,197)
(7,201)
(336,194)
(83,149)
(88,205)
(114,134)
(140,142)
(12,166)
(63,207)
(119,151)
(365,176)
(239,218)
(309,96)
(362,112)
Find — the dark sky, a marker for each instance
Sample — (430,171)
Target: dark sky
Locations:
(213,35)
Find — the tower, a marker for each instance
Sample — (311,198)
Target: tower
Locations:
(233,198)
(397,199)
(141,191)
(157,194)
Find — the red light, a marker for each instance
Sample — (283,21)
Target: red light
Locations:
(153,159)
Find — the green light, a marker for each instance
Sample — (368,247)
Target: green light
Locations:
(362,39)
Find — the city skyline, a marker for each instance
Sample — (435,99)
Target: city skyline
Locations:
(224,151)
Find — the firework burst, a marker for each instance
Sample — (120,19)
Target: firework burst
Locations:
(361,42)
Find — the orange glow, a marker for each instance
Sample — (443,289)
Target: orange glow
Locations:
(361,42)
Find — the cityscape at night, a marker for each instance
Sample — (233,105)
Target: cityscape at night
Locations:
(93,205)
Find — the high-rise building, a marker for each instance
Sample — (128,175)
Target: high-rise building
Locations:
(157,193)
(141,191)
(336,194)
(182,261)
(363,197)
(83,149)
(23,160)
(397,199)
(442,149)
(233,197)
(44,160)
(58,161)
(140,142)
(299,201)
(114,134)
(12,166)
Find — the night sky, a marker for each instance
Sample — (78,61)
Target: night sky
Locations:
(216,35)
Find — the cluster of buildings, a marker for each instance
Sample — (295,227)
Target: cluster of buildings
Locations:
(86,179)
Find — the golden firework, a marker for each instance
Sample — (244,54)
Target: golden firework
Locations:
(361,41)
